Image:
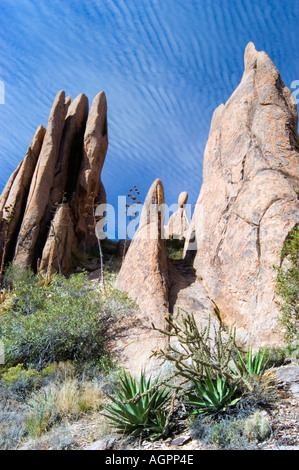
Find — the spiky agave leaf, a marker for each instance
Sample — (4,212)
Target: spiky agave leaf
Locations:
(212,396)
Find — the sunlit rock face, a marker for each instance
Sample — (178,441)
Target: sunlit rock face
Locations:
(249,199)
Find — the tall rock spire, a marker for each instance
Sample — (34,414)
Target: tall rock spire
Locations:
(248,202)
(144,271)
(144,277)
(41,185)
(89,182)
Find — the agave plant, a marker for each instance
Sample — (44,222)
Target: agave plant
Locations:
(252,364)
(212,395)
(138,406)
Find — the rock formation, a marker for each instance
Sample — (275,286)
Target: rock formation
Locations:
(46,208)
(178,224)
(249,199)
(89,189)
(144,271)
(247,206)
(144,277)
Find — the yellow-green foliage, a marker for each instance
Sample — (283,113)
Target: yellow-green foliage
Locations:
(17,373)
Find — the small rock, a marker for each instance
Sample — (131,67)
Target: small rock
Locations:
(180,441)
(103,444)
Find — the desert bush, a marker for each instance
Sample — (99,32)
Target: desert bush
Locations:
(66,320)
(27,295)
(288,288)
(200,352)
(59,371)
(17,373)
(276,356)
(217,372)
(59,401)
(138,406)
(58,438)
(74,398)
(12,424)
(243,428)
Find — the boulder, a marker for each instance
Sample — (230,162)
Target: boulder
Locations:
(178,224)
(248,202)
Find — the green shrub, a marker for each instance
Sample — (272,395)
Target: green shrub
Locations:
(138,407)
(288,287)
(66,320)
(175,248)
(27,296)
(19,382)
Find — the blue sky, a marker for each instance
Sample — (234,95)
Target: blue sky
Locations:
(165,65)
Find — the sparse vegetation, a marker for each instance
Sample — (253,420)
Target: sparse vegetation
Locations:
(213,377)
(55,337)
(65,320)
(175,248)
(57,364)
(200,352)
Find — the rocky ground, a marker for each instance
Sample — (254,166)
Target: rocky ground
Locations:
(90,433)
(283,416)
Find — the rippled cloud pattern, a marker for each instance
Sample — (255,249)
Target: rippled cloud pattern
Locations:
(165,66)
